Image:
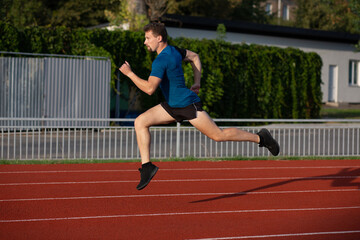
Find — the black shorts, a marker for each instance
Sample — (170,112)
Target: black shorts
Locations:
(186,113)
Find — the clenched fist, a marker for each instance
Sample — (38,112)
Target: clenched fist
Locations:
(125,68)
(195,88)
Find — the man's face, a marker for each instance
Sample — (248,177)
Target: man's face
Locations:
(152,42)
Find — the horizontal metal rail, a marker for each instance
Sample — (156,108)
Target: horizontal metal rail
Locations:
(247,120)
(29,138)
(51,55)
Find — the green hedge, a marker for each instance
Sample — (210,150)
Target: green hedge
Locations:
(238,80)
(252,81)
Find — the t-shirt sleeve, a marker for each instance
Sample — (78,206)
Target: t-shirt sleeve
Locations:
(182,51)
(158,68)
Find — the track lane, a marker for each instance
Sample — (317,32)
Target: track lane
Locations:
(247,182)
(226,222)
(100,188)
(187,203)
(188,226)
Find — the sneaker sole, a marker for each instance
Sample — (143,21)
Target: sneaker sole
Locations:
(151,177)
(276,150)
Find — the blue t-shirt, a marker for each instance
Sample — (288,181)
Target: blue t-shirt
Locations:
(167,66)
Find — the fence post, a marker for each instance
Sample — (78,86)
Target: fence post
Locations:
(177,139)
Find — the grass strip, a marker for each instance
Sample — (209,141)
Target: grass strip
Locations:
(340,113)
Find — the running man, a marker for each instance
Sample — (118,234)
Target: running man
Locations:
(181,103)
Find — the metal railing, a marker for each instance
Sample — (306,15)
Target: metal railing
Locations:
(54,86)
(30,138)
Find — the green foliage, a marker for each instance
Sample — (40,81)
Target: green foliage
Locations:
(124,14)
(249,10)
(329,15)
(355,9)
(334,15)
(29,13)
(347,113)
(26,13)
(10,38)
(79,13)
(252,81)
(221,32)
(238,81)
(207,8)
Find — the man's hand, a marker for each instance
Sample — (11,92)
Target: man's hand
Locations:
(195,88)
(125,69)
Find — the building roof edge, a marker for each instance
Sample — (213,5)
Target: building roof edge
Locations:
(203,23)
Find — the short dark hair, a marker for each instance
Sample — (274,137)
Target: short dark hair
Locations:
(157,29)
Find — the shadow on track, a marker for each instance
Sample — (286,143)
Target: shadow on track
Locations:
(344,178)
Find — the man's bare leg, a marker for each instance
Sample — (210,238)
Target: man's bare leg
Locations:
(207,126)
(154,116)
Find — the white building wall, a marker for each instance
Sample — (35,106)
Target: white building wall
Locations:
(331,53)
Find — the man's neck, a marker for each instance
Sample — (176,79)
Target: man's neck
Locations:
(161,47)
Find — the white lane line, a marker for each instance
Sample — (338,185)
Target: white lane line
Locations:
(65,183)
(186,180)
(177,195)
(70,171)
(180,214)
(282,235)
(175,169)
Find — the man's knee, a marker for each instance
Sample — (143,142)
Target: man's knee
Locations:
(218,137)
(139,122)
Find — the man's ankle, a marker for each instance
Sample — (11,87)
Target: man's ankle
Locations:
(146,164)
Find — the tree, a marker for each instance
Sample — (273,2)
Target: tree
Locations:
(251,10)
(70,13)
(79,13)
(247,10)
(5,7)
(22,13)
(330,15)
(355,8)
(205,8)
(156,8)
(127,14)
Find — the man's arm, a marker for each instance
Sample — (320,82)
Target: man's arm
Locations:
(148,86)
(194,59)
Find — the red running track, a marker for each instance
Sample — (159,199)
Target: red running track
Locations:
(186,200)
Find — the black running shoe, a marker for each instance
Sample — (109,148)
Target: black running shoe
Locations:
(266,140)
(147,172)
